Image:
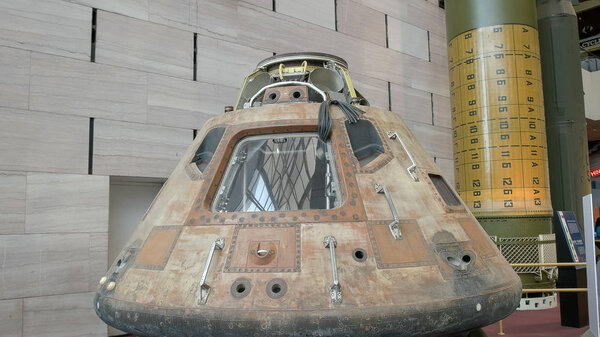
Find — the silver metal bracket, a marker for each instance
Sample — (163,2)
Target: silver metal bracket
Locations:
(335,290)
(204,290)
(412,169)
(394,225)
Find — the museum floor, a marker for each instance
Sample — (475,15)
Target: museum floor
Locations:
(534,323)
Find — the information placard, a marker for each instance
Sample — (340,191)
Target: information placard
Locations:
(572,234)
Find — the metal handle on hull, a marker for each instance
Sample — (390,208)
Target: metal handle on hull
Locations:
(335,290)
(262,253)
(412,169)
(218,244)
(394,225)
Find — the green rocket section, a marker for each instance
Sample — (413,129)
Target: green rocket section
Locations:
(563,93)
(464,15)
(567,136)
(499,129)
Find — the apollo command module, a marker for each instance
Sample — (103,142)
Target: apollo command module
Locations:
(305,212)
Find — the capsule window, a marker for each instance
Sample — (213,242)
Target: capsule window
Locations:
(365,141)
(279,172)
(450,198)
(207,148)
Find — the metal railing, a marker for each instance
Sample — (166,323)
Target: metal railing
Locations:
(546,290)
(555,264)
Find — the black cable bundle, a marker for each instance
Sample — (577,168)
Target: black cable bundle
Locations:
(324,126)
(351,112)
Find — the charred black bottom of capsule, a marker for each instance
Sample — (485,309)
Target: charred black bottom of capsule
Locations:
(445,317)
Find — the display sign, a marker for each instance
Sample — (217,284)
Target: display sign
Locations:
(572,235)
(591,266)
(590,44)
(589,27)
(595,172)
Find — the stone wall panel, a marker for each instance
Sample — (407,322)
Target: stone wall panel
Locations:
(37,141)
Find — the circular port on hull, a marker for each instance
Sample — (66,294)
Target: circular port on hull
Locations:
(272,97)
(276,288)
(296,95)
(359,255)
(240,288)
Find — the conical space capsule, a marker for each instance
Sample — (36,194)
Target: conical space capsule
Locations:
(305,212)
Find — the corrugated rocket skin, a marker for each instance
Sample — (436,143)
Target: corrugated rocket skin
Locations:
(403,288)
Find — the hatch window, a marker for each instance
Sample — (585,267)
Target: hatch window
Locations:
(444,190)
(279,172)
(207,148)
(365,141)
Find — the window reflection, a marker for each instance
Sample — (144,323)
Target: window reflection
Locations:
(283,172)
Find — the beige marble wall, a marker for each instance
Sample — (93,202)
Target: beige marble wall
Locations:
(47,264)
(132,8)
(441,111)
(138,44)
(223,62)
(361,21)
(186,104)
(175,13)
(426,15)
(12,202)
(65,315)
(318,12)
(438,47)
(39,141)
(407,38)
(131,149)
(60,203)
(436,140)
(14,82)
(67,86)
(131,110)
(11,317)
(412,104)
(374,90)
(49,26)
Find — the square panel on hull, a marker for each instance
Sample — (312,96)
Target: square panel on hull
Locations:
(266,248)
(411,251)
(157,248)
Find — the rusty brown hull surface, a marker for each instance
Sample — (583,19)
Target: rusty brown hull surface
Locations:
(402,288)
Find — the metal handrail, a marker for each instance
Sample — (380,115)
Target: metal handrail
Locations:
(549,264)
(335,290)
(394,226)
(546,290)
(412,169)
(555,290)
(204,288)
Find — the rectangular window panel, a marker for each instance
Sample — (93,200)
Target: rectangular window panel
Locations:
(279,172)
